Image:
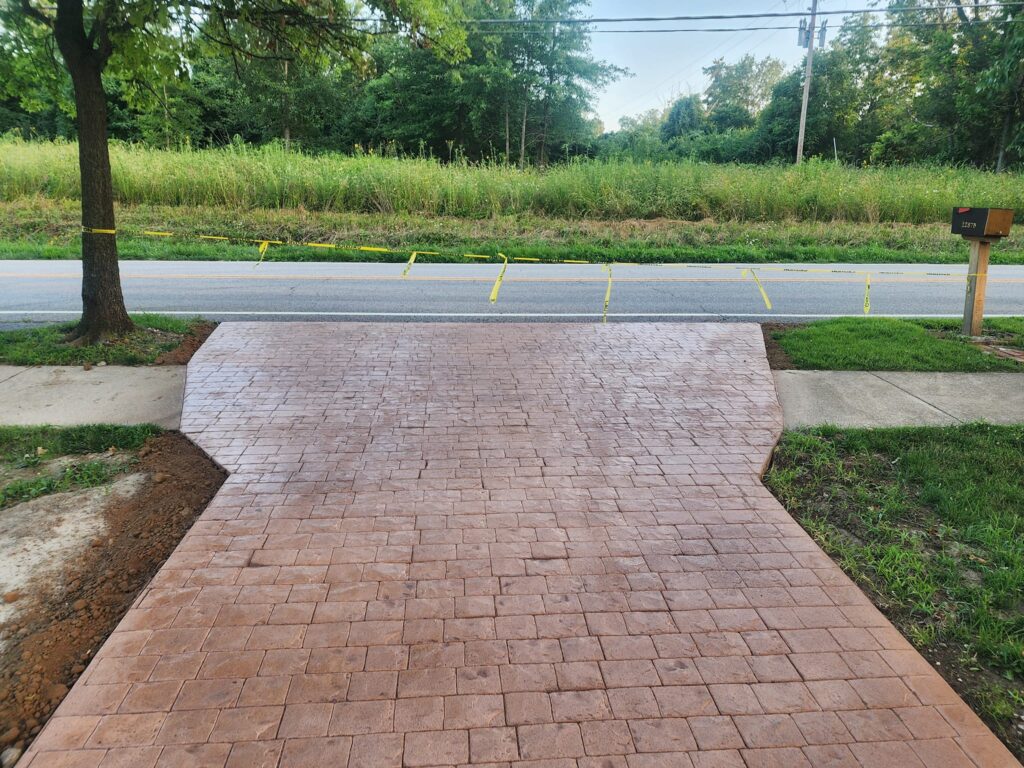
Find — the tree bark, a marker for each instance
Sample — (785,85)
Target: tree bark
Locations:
(103,311)
(508,137)
(522,137)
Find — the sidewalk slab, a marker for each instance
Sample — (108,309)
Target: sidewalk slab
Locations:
(110,394)
(518,545)
(895,399)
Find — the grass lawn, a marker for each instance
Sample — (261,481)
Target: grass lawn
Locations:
(882,344)
(930,522)
(155,335)
(22,449)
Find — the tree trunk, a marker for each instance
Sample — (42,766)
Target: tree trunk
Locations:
(542,159)
(103,311)
(285,111)
(522,138)
(508,136)
(1004,139)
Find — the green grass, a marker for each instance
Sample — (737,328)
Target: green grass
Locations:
(931,522)
(40,228)
(27,447)
(882,344)
(45,345)
(87,474)
(268,177)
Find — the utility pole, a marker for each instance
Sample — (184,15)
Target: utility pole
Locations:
(807,81)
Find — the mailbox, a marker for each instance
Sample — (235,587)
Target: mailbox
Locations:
(982,223)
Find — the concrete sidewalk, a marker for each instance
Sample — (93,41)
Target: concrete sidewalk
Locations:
(64,395)
(893,399)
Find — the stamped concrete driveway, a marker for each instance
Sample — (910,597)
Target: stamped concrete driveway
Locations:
(540,545)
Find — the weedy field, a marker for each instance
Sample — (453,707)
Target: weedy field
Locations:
(269,177)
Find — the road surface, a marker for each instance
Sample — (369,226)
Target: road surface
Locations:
(49,290)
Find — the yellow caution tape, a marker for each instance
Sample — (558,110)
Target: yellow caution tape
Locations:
(867,294)
(320,245)
(524,258)
(153,233)
(213,237)
(96,231)
(370,248)
(501,276)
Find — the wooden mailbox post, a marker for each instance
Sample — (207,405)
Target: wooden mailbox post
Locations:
(979,226)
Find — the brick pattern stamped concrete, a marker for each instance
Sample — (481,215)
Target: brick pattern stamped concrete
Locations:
(534,545)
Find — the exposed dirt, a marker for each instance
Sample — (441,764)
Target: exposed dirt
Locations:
(192,341)
(777,357)
(61,625)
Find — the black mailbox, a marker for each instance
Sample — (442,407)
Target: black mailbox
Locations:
(982,223)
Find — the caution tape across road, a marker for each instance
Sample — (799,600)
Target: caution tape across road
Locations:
(792,273)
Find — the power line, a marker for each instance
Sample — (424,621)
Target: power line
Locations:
(790,28)
(730,16)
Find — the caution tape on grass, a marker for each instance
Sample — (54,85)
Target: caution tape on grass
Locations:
(263,246)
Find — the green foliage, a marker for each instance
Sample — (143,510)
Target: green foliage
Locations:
(45,345)
(884,344)
(36,227)
(27,446)
(87,474)
(951,93)
(929,521)
(243,177)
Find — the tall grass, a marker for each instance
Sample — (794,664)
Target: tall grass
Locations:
(269,177)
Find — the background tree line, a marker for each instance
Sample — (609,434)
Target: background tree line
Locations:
(941,86)
(524,96)
(935,86)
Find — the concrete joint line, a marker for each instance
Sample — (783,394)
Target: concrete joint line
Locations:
(917,397)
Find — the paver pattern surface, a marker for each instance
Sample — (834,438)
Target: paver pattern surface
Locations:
(542,545)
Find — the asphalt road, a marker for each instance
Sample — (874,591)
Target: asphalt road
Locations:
(48,290)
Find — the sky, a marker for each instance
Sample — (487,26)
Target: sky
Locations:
(668,65)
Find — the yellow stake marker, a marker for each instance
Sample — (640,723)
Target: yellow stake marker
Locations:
(408,266)
(607,294)
(867,294)
(764,294)
(264,245)
(501,276)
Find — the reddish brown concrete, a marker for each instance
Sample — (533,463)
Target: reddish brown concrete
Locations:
(542,545)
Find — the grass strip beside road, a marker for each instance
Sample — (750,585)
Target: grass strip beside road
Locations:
(154,335)
(930,523)
(885,344)
(40,228)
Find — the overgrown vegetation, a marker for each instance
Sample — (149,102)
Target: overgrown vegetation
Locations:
(153,336)
(940,84)
(41,228)
(929,521)
(885,344)
(242,177)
